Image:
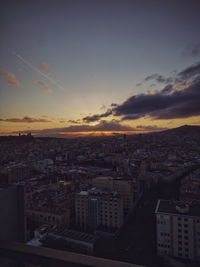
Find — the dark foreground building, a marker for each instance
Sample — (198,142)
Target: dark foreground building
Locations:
(12,216)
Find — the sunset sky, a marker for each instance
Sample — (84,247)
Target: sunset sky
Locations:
(70,67)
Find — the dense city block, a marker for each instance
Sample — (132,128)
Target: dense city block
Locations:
(132,198)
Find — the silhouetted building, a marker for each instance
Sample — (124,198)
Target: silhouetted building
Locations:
(12,218)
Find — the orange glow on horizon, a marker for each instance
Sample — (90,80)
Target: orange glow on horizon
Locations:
(79,134)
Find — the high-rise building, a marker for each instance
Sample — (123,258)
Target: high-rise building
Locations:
(178,229)
(98,208)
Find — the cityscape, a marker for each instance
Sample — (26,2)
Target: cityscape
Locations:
(100,133)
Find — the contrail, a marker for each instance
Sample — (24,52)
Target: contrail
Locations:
(38,71)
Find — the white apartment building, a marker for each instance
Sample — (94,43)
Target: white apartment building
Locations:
(178,229)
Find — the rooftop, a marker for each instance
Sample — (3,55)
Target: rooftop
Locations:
(75,235)
(170,207)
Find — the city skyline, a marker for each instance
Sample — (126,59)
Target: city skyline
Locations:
(84,67)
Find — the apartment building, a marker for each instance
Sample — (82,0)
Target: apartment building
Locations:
(97,207)
(178,229)
(124,187)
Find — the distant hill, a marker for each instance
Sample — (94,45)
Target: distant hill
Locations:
(183,130)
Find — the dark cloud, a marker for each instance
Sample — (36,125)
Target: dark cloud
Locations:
(159,78)
(74,121)
(131,117)
(178,100)
(192,50)
(113,105)
(97,117)
(189,73)
(167,89)
(166,104)
(25,119)
(143,104)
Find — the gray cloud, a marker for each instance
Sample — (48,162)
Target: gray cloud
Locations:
(189,73)
(25,119)
(162,105)
(131,117)
(74,121)
(97,117)
(166,104)
(178,100)
(159,78)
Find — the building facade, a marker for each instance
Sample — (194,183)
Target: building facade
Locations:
(124,187)
(178,229)
(96,207)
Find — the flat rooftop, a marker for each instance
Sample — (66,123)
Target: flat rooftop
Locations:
(75,235)
(169,207)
